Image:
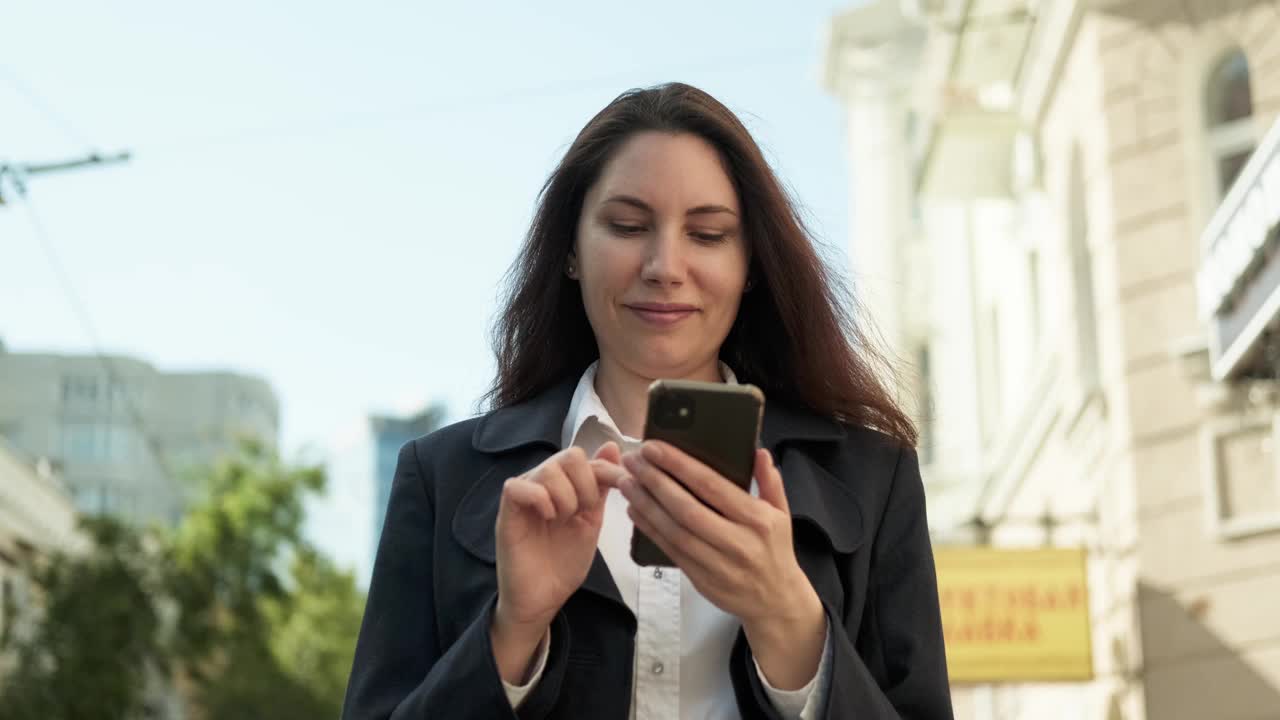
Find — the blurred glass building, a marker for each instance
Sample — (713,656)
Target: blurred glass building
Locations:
(126,438)
(1065,220)
(346,521)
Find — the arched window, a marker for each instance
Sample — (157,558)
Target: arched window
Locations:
(1229,120)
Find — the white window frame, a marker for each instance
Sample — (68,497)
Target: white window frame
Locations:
(1211,434)
(1224,141)
(1084,290)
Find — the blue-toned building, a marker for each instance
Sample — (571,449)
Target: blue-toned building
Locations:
(346,521)
(389,434)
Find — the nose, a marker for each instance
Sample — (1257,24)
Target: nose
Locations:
(665,264)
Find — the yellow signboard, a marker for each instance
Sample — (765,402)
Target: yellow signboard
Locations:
(1015,615)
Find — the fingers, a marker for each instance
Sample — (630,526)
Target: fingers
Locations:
(680,555)
(609,452)
(567,483)
(770,481)
(713,488)
(581,476)
(666,503)
(530,495)
(553,477)
(653,519)
(607,465)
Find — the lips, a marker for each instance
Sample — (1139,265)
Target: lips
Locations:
(662,314)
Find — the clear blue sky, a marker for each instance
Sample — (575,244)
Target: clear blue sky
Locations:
(327,194)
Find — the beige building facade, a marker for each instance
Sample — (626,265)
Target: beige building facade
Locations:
(36,518)
(1064,226)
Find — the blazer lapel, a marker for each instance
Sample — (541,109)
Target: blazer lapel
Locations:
(797,438)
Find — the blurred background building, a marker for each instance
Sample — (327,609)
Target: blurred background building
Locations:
(36,517)
(346,521)
(124,436)
(1065,214)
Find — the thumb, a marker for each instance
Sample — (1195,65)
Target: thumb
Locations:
(609,452)
(770,481)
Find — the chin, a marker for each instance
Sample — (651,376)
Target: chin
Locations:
(659,362)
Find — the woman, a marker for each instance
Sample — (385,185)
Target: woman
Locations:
(662,247)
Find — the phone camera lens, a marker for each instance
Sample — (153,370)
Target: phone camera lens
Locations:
(676,411)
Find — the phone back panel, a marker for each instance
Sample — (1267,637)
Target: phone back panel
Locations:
(722,431)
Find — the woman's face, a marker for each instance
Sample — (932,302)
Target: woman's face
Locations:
(661,257)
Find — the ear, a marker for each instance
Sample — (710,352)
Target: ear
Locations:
(571,266)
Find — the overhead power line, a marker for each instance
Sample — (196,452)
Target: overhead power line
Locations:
(18,173)
(45,108)
(363,118)
(17,180)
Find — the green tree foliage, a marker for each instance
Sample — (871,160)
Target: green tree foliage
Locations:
(91,652)
(232,608)
(323,597)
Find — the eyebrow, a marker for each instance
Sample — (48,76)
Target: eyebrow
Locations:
(642,205)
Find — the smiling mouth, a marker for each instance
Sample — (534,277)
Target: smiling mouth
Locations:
(662,315)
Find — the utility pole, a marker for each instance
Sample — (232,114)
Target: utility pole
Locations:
(18,173)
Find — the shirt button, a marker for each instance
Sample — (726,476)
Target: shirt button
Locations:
(657,573)
(657,668)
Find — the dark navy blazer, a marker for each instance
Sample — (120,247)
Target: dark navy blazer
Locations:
(859,531)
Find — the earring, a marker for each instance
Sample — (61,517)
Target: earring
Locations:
(572,271)
(750,284)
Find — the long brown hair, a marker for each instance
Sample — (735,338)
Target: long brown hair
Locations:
(794,336)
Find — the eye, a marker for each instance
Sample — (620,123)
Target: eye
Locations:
(626,229)
(709,238)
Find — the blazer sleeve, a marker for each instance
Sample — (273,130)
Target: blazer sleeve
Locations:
(896,669)
(400,671)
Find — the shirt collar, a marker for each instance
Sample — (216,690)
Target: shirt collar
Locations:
(586,405)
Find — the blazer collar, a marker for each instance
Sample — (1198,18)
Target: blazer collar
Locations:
(815,495)
(536,421)
(539,421)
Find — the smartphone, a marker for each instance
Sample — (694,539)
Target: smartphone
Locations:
(716,423)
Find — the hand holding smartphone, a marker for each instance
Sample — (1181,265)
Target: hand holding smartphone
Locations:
(715,423)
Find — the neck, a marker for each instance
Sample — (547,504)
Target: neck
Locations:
(625,394)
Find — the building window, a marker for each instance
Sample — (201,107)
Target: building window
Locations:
(92,395)
(1086,321)
(80,392)
(1229,120)
(1243,477)
(91,442)
(124,397)
(83,443)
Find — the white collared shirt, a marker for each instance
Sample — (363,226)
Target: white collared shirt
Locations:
(683,641)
